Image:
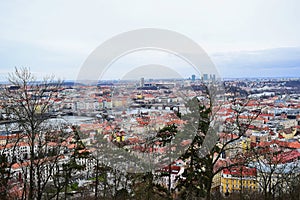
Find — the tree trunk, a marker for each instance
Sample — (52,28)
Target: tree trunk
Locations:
(169,184)
(208,189)
(31,170)
(97,180)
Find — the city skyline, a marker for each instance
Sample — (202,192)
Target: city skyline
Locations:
(253,39)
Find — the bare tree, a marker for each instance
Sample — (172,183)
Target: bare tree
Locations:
(276,177)
(28,103)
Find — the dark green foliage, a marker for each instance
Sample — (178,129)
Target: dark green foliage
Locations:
(167,133)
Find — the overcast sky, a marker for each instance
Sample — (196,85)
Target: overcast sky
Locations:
(248,38)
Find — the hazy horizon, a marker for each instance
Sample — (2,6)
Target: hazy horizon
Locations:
(243,39)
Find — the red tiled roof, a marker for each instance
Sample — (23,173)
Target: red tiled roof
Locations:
(292,145)
(228,136)
(238,171)
(174,169)
(287,156)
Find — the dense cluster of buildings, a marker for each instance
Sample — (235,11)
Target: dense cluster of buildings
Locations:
(129,114)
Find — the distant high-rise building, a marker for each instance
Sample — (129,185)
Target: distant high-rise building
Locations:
(213,77)
(142,83)
(205,77)
(193,77)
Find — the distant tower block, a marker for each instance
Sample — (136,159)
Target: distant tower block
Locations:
(142,83)
(212,77)
(205,77)
(193,77)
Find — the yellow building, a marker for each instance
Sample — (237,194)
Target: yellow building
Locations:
(216,182)
(288,133)
(238,178)
(245,144)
